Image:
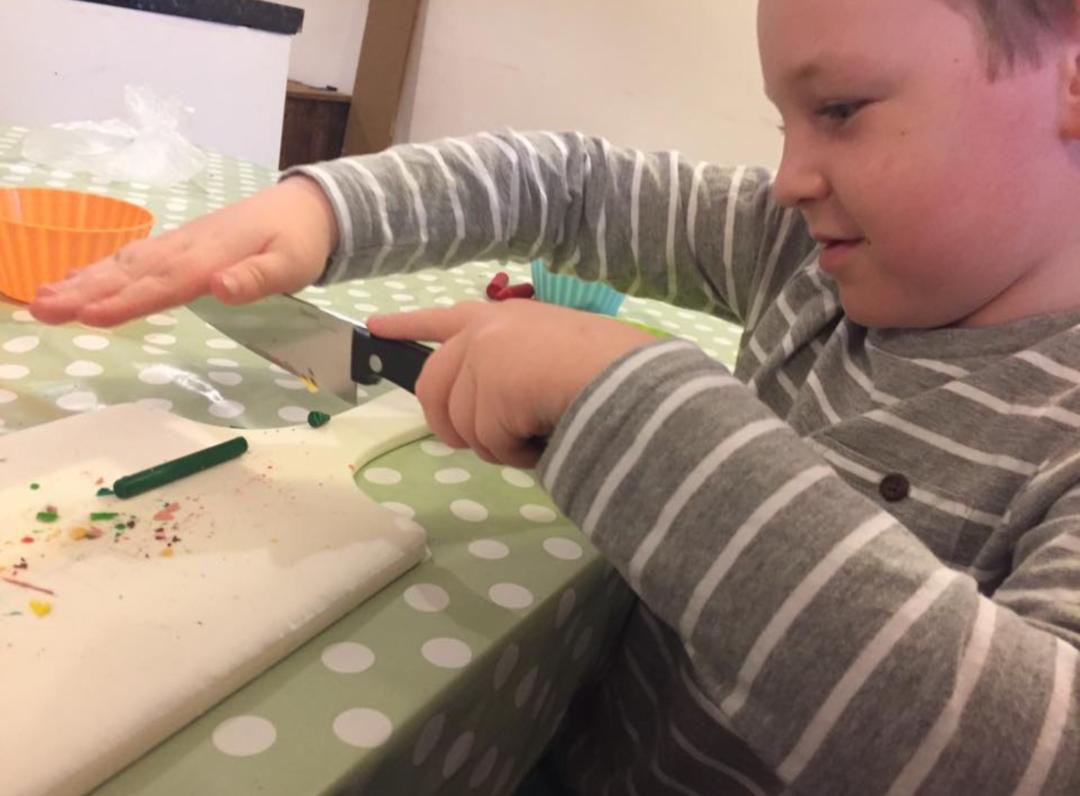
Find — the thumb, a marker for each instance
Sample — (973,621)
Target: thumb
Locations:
(254,278)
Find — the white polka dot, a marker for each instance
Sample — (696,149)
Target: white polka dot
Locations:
(538,513)
(21,345)
(20,168)
(507,661)
(489,549)
(363,728)
(566,605)
(563,549)
(358,293)
(429,737)
(427,598)
(221,343)
(22,316)
(427,277)
(435,289)
(469,510)
(541,698)
(366,307)
(432,447)
(408,307)
(393,284)
(226,377)
(670,325)
(150,349)
(294,414)
(446,653)
(176,205)
(582,643)
(504,773)
(160,339)
(484,768)
(157,374)
(510,595)
(384,476)
(458,754)
(400,509)
(7,396)
(348,657)
(227,409)
(320,302)
(244,736)
(13,371)
(452,475)
(290,384)
(81,368)
(78,401)
(218,362)
(91,342)
(402,298)
(653,312)
(525,687)
(517,478)
(316,289)
(155,403)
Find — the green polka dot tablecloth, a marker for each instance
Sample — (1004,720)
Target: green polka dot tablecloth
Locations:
(451,679)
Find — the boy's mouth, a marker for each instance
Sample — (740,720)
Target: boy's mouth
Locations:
(835,250)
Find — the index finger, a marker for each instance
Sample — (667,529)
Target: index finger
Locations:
(433,325)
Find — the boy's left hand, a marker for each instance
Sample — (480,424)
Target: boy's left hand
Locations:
(505,373)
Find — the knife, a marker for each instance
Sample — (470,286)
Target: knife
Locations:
(332,352)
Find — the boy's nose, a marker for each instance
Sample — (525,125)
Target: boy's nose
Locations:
(798,180)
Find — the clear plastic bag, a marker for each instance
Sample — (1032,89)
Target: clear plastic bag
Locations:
(149,148)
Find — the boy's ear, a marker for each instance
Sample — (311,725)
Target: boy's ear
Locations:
(1070,93)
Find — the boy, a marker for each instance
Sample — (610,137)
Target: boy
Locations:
(859,563)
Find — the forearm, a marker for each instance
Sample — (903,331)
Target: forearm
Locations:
(841,649)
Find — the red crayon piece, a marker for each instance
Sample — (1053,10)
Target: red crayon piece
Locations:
(497,283)
(524,291)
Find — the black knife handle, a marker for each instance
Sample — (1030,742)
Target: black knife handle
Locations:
(374,358)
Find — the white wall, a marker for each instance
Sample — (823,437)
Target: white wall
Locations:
(68,61)
(656,74)
(324,53)
(678,74)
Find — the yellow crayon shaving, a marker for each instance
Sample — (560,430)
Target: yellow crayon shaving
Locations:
(78,533)
(167,552)
(309,383)
(41,607)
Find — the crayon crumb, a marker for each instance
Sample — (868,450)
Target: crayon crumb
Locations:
(166,553)
(79,532)
(105,492)
(317,419)
(309,383)
(41,608)
(35,486)
(102,515)
(47,516)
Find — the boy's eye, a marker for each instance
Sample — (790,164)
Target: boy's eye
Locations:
(840,112)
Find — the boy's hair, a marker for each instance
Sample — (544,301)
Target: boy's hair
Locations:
(1016,29)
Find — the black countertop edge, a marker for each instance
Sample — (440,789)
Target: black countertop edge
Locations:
(258,14)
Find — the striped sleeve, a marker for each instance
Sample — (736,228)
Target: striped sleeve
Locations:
(826,634)
(697,235)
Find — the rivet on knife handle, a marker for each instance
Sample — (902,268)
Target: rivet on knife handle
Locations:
(400,361)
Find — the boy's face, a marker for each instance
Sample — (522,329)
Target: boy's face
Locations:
(940,196)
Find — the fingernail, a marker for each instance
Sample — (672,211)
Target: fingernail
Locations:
(228,282)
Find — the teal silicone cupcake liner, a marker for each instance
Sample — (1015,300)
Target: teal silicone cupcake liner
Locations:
(569,291)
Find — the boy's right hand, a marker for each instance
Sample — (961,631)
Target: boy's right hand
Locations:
(276,241)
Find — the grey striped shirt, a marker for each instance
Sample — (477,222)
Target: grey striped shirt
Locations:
(858,558)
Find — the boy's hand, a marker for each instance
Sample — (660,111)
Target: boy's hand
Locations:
(507,372)
(276,241)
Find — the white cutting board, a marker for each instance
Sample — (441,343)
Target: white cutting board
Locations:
(274,546)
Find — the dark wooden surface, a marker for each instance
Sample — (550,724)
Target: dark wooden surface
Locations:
(314,127)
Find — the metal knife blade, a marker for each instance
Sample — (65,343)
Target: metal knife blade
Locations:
(331,351)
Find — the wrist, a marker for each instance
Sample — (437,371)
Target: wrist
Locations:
(318,212)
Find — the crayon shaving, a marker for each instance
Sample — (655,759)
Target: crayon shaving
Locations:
(309,382)
(41,608)
(167,513)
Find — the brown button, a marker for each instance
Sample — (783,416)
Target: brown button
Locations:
(894,487)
